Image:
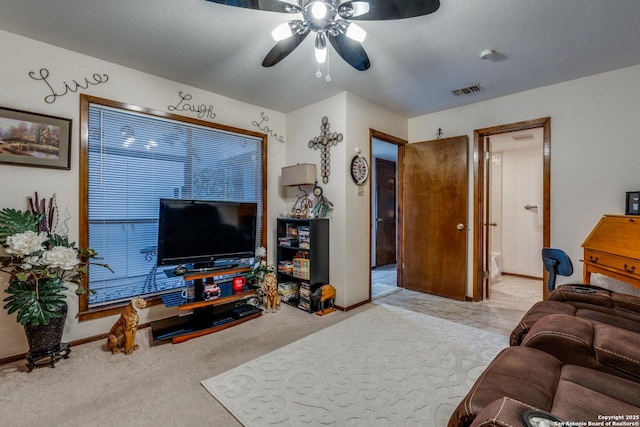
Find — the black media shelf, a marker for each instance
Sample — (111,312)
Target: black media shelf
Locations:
(316,251)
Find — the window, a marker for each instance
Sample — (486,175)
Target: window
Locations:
(130,158)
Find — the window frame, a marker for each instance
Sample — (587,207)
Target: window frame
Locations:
(85,313)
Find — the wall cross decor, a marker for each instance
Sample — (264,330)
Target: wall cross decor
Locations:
(324,142)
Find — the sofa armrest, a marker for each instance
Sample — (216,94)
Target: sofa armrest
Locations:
(618,348)
(503,412)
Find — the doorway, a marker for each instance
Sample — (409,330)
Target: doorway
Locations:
(488,256)
(384,278)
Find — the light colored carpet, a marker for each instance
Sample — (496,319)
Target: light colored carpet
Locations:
(379,290)
(384,367)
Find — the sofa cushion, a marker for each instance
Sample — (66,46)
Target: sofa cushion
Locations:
(583,394)
(522,378)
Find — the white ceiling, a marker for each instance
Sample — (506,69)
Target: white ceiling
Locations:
(415,63)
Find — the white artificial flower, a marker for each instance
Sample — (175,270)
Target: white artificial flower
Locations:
(61,257)
(29,262)
(261,252)
(23,244)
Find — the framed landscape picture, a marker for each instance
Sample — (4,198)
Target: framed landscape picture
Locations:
(30,139)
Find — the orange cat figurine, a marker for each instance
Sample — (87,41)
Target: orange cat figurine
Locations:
(123,332)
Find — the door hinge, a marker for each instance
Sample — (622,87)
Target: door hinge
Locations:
(485,274)
(486,155)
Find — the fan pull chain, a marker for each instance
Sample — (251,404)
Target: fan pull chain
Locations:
(328,76)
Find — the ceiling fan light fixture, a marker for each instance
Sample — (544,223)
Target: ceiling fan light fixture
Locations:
(321,49)
(351,30)
(319,9)
(286,30)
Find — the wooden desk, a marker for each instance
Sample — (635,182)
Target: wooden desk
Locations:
(613,249)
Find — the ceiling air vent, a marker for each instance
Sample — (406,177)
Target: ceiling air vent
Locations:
(467,90)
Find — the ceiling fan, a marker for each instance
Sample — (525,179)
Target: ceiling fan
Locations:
(330,19)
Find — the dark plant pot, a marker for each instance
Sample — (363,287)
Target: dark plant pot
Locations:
(45,341)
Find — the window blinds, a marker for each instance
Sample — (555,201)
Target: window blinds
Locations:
(134,160)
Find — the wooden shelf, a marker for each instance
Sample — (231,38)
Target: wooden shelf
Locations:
(209,316)
(186,337)
(218,301)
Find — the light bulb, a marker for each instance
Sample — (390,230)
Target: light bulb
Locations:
(321,49)
(319,9)
(281,32)
(355,32)
(321,55)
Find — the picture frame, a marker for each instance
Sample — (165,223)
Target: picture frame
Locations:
(32,139)
(632,205)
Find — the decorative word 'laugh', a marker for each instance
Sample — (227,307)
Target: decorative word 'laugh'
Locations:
(202,110)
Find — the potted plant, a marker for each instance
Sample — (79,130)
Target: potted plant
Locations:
(40,262)
(259,269)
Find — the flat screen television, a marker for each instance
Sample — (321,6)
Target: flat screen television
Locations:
(205,233)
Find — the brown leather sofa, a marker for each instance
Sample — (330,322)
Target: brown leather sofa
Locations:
(586,302)
(575,355)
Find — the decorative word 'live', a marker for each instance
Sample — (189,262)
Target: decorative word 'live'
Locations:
(43,75)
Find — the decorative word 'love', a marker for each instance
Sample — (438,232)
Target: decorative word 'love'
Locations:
(266,129)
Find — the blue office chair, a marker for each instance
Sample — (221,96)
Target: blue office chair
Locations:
(556,262)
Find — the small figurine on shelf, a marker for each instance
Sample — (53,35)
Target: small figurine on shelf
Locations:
(270,288)
(325,294)
(323,206)
(123,332)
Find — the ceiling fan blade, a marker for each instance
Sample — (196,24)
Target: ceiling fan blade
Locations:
(283,48)
(384,10)
(286,6)
(351,51)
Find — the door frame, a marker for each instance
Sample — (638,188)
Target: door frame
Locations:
(479,189)
(399,169)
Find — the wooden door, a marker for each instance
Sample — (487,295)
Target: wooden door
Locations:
(386,218)
(434,216)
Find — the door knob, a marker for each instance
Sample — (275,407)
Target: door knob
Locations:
(460,226)
(493,224)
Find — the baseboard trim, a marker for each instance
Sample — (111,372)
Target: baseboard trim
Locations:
(18,357)
(523,276)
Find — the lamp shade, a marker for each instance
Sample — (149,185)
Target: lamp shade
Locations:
(300,174)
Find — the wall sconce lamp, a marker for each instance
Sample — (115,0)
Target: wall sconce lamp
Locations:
(297,176)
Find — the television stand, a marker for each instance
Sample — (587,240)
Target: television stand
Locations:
(197,270)
(207,317)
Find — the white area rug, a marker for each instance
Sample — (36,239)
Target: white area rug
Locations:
(384,367)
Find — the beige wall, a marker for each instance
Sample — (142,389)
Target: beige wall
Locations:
(349,228)
(19,91)
(594,147)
